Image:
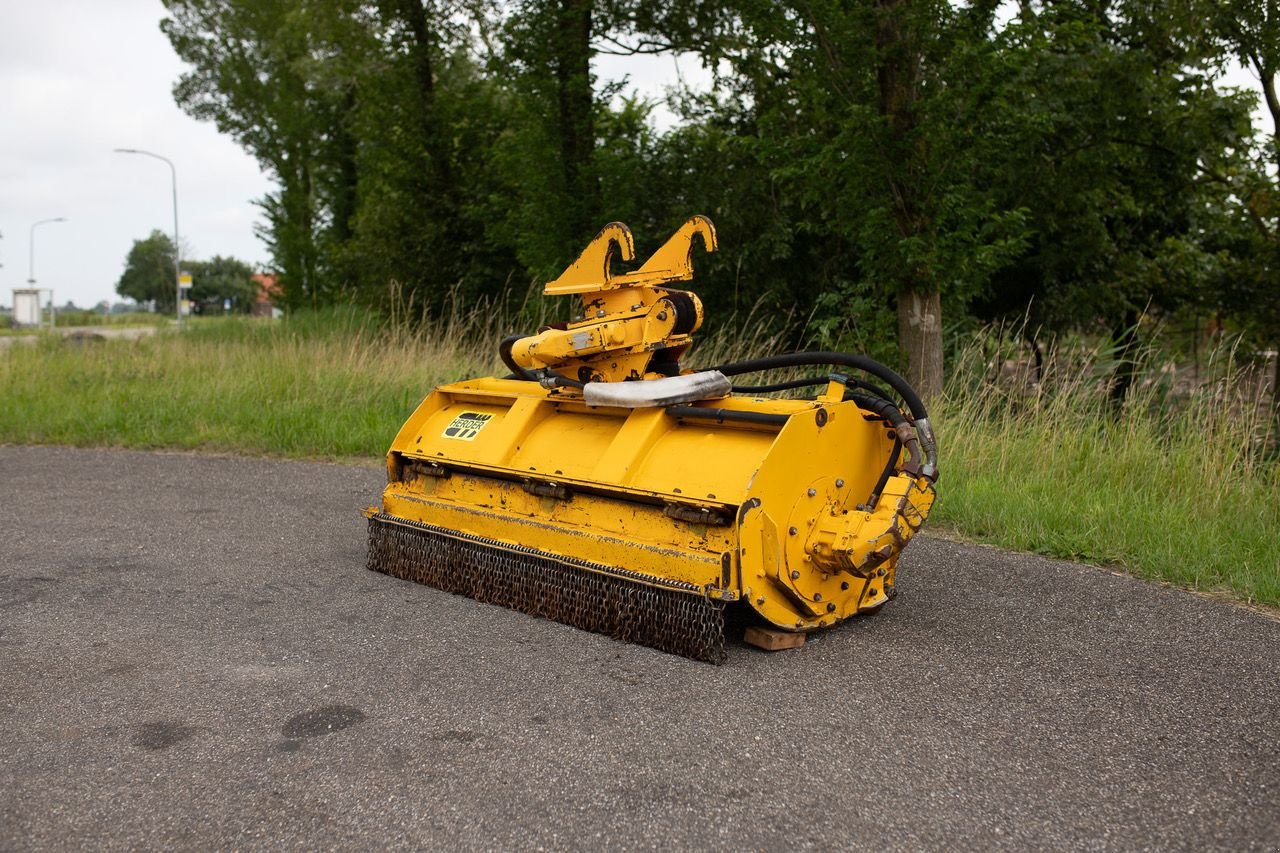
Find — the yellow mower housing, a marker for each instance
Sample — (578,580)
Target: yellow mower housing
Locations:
(605,486)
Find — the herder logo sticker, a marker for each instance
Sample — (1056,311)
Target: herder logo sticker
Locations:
(467,425)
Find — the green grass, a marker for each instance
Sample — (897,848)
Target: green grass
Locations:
(330,386)
(1175,489)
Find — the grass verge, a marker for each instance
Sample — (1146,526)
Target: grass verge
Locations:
(1174,490)
(327,385)
(1178,489)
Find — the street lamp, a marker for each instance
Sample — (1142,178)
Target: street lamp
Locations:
(31,266)
(177,251)
(31,259)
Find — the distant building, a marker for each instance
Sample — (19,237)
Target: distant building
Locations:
(26,306)
(268,293)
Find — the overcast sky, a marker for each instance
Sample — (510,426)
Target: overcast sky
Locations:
(77,79)
(81,77)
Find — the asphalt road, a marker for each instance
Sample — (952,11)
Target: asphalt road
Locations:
(81,334)
(192,655)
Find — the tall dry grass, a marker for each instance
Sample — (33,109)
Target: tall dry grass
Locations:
(1176,485)
(335,383)
(1179,483)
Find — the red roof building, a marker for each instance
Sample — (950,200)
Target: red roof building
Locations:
(269,294)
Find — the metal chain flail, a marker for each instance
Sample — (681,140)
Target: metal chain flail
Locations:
(671,616)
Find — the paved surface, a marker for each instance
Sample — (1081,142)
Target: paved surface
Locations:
(82,334)
(192,656)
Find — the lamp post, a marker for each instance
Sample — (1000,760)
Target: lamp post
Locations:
(31,264)
(177,251)
(31,259)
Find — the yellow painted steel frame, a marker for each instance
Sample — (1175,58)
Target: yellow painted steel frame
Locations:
(766,512)
(625,317)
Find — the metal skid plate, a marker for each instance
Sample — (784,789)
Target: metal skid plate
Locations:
(673,616)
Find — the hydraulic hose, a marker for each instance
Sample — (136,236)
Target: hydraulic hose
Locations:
(809,382)
(916,433)
(844,359)
(919,414)
(504,353)
(779,386)
(889,468)
(519,372)
(905,434)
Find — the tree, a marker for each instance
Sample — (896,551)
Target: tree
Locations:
(862,158)
(953,159)
(221,278)
(550,159)
(1118,122)
(424,120)
(149,272)
(148,276)
(252,75)
(867,118)
(375,123)
(1250,33)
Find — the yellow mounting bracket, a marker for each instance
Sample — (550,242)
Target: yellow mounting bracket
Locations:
(673,262)
(631,326)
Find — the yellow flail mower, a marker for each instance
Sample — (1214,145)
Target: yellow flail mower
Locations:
(605,486)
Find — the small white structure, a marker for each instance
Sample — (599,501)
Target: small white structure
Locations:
(26,306)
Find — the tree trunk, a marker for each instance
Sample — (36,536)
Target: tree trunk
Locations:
(346,188)
(898,73)
(1125,339)
(414,16)
(432,221)
(576,108)
(920,338)
(306,220)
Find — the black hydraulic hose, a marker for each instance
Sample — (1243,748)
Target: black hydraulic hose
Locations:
(504,353)
(844,359)
(901,426)
(519,372)
(880,407)
(726,415)
(779,386)
(889,468)
(872,388)
(920,415)
(809,382)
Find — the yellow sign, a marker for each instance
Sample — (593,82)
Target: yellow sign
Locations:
(184,280)
(466,426)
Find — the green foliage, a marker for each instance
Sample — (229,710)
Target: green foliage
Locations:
(219,279)
(1120,119)
(1247,187)
(150,273)
(1071,162)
